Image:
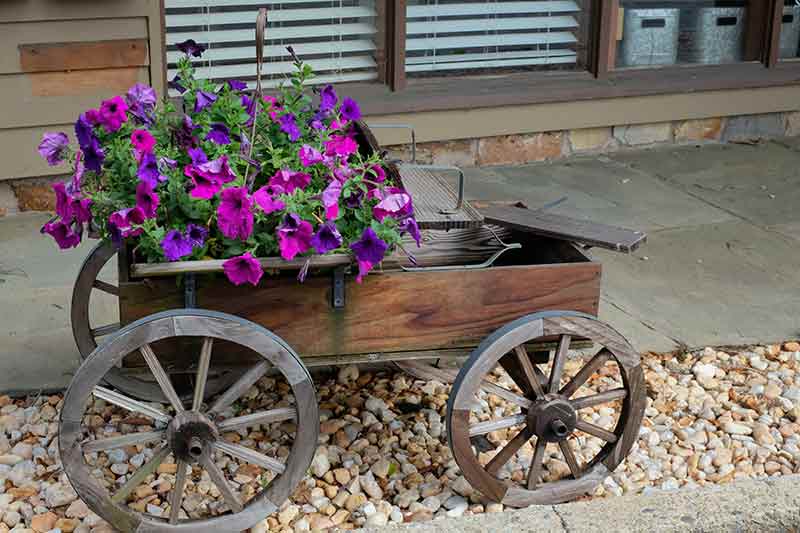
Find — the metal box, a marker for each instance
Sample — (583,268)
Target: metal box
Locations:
(649,37)
(714,34)
(790,32)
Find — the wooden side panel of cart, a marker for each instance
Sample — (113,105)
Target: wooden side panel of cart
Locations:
(391,311)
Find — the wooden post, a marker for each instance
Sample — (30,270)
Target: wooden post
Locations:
(396,42)
(607,38)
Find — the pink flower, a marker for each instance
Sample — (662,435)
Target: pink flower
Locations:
(289,180)
(113,113)
(146,199)
(309,155)
(294,236)
(80,209)
(376,174)
(63,234)
(234,215)
(93,116)
(124,221)
(143,141)
(396,204)
(340,145)
(330,199)
(62,201)
(217,170)
(266,199)
(243,269)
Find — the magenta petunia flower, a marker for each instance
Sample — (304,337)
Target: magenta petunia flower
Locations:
(53,147)
(175,245)
(266,199)
(340,145)
(94,117)
(289,180)
(149,172)
(294,236)
(63,234)
(124,221)
(396,204)
(376,173)
(289,126)
(234,214)
(218,170)
(326,238)
(219,134)
(330,199)
(350,109)
(369,251)
(204,188)
(203,100)
(191,48)
(309,155)
(196,234)
(243,269)
(143,141)
(80,209)
(62,200)
(113,113)
(146,199)
(327,98)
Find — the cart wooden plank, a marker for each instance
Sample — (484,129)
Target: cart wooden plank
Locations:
(563,227)
(433,196)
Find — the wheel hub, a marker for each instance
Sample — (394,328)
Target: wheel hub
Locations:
(552,418)
(191,436)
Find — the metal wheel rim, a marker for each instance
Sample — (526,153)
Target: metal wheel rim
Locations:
(189,322)
(488,355)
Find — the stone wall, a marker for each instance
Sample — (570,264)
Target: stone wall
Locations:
(35,194)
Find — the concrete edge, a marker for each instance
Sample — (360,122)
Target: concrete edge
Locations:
(744,506)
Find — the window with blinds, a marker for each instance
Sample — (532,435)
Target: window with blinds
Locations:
(452,36)
(336,37)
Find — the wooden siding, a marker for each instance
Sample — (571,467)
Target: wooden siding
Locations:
(59,58)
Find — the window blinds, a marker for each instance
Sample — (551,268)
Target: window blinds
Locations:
(451,35)
(336,37)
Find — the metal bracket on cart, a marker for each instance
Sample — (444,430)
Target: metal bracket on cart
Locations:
(337,288)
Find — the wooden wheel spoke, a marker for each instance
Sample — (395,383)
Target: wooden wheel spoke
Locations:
(482,428)
(106,287)
(202,373)
(506,394)
(161,377)
(138,477)
(239,388)
(266,417)
(218,478)
(530,371)
(176,498)
(508,451)
(559,360)
(121,441)
(130,404)
(106,330)
(251,456)
(535,472)
(569,456)
(599,398)
(585,373)
(596,431)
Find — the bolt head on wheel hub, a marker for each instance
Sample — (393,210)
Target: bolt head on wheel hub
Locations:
(191,436)
(553,418)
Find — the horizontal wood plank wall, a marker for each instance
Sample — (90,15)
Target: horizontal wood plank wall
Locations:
(60,58)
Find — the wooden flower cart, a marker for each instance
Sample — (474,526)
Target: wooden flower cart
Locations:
(185,351)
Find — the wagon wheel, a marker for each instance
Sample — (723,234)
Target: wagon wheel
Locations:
(195,435)
(539,417)
(87,336)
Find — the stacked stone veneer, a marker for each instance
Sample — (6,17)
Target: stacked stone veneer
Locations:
(35,194)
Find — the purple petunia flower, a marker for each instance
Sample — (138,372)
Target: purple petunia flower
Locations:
(53,147)
(124,221)
(203,100)
(177,84)
(196,234)
(197,155)
(175,246)
(289,126)
(369,251)
(309,155)
(340,145)
(62,201)
(113,113)
(184,133)
(94,156)
(249,105)
(409,225)
(330,199)
(143,141)
(219,134)
(84,131)
(63,234)
(350,109)
(191,48)
(141,100)
(237,85)
(243,269)
(355,199)
(316,121)
(218,170)
(397,204)
(149,172)
(289,180)
(326,238)
(327,99)
(265,198)
(80,209)
(234,214)
(146,199)
(74,186)
(294,236)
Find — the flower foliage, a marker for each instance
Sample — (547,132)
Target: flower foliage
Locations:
(228,176)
